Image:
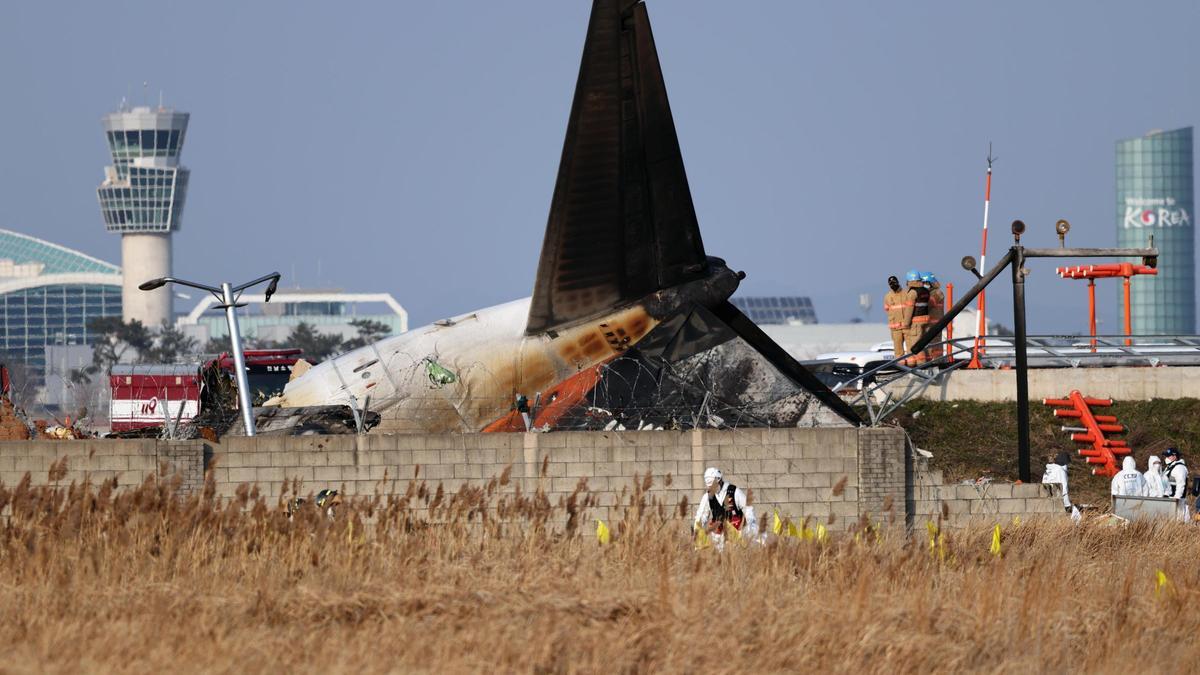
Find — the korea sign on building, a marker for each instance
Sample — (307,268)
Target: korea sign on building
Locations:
(1154,198)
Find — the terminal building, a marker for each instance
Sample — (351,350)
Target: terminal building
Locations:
(142,199)
(48,294)
(328,312)
(1154,197)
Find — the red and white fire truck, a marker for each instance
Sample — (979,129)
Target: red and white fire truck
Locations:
(151,395)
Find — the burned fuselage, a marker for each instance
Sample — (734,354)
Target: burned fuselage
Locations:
(465,373)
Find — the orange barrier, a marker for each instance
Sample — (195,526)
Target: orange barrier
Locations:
(1103,451)
(947,303)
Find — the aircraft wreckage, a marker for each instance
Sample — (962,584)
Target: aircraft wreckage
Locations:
(629,325)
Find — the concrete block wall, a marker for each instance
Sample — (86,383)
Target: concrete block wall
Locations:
(1122,384)
(964,503)
(831,475)
(129,461)
(794,471)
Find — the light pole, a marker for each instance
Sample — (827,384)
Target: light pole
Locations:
(229,302)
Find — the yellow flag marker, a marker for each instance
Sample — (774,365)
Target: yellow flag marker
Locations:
(793,531)
(702,540)
(777,524)
(995,548)
(933,533)
(821,533)
(1160,582)
(602,533)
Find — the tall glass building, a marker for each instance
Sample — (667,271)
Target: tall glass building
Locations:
(48,294)
(142,198)
(1154,197)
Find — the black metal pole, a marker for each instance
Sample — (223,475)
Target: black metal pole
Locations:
(1018,279)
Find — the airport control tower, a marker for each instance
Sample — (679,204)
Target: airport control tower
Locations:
(142,199)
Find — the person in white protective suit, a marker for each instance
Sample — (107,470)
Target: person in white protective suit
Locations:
(1056,473)
(1129,482)
(724,505)
(1157,484)
(1177,474)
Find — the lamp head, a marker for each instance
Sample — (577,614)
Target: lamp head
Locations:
(1062,227)
(153,284)
(271,288)
(968,264)
(1018,228)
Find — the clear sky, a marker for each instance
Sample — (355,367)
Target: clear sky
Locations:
(411,147)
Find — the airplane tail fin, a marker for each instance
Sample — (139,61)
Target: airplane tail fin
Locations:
(622,224)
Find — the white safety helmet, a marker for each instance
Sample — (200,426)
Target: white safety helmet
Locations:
(711,475)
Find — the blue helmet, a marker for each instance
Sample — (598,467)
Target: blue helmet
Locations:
(913,275)
(928,277)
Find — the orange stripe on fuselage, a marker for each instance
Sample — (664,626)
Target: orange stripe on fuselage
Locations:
(555,403)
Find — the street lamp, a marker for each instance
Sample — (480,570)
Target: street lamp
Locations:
(229,302)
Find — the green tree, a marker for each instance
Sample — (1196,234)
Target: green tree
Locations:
(118,341)
(219,345)
(169,345)
(317,346)
(368,332)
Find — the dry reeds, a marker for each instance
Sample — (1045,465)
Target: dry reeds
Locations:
(492,577)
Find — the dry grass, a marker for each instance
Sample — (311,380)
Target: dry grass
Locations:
(147,580)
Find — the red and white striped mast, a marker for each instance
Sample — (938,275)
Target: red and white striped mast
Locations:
(981,328)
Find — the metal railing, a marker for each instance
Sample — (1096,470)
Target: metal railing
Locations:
(883,389)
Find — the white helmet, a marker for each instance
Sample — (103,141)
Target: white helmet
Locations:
(711,475)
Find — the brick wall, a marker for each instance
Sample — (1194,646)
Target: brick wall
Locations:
(833,475)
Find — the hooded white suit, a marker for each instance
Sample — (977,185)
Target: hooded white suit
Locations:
(1157,484)
(1129,482)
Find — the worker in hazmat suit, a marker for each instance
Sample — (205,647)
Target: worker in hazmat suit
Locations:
(937,309)
(1129,482)
(1177,474)
(723,505)
(1157,484)
(920,316)
(898,304)
(1056,473)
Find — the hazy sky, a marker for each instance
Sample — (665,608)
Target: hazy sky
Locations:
(411,147)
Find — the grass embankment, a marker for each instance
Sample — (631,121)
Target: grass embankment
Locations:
(147,581)
(969,439)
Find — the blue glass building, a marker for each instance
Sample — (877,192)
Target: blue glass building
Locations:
(48,294)
(1154,197)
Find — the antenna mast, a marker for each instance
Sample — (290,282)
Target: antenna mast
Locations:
(981,328)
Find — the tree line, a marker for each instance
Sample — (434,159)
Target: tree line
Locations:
(118,341)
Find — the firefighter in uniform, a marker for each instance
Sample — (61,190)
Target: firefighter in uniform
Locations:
(937,309)
(898,304)
(920,316)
